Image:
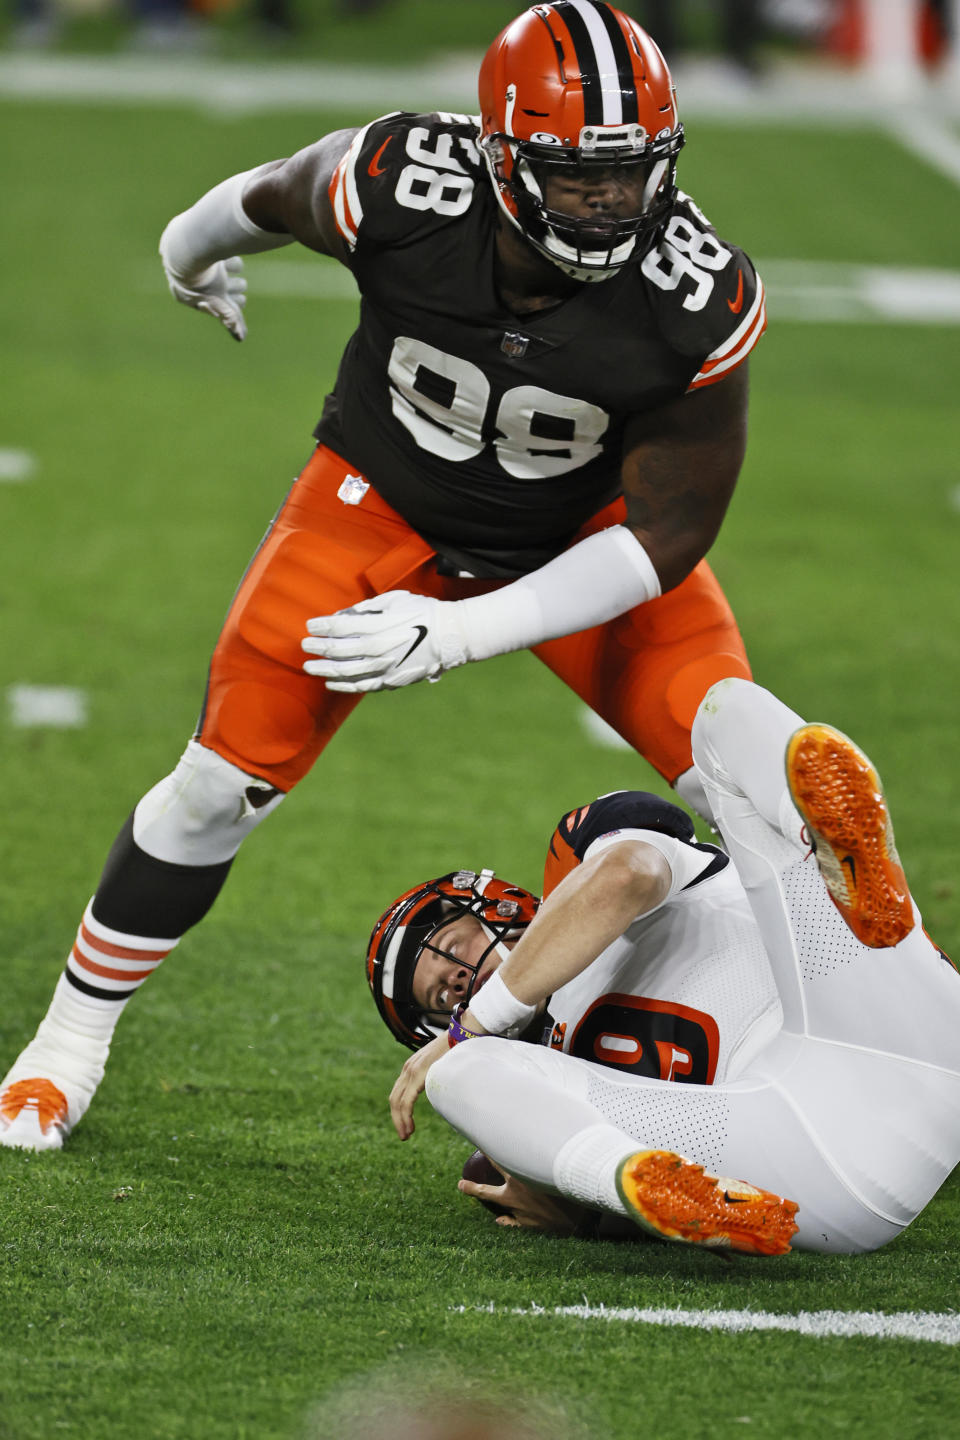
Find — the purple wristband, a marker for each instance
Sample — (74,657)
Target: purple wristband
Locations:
(457,1032)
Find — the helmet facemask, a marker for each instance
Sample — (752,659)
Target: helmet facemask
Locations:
(409,928)
(587,249)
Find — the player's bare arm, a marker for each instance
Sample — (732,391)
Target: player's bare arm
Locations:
(589,909)
(291,196)
(257,210)
(680,467)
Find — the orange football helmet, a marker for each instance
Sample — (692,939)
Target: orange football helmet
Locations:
(407,928)
(578,84)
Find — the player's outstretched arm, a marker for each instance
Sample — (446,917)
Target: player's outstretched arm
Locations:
(256,210)
(680,467)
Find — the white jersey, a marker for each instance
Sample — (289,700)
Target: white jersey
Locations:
(686,994)
(851,1108)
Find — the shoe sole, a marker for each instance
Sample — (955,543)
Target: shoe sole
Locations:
(674,1198)
(839,796)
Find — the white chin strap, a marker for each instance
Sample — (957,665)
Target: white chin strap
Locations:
(501,950)
(567,258)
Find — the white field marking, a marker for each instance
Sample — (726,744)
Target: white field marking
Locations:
(816,293)
(315,278)
(53,707)
(931,140)
(801,291)
(790,93)
(954,499)
(598,730)
(939,1329)
(238,88)
(16,465)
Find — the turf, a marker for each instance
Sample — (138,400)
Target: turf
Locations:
(234,1244)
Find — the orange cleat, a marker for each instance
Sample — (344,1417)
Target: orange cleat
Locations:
(838,793)
(33,1115)
(674,1198)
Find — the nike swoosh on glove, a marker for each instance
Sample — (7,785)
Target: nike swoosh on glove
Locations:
(220,291)
(385,643)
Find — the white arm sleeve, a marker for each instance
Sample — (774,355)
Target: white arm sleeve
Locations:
(593,581)
(216,228)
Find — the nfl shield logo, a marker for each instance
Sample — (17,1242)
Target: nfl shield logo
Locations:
(514,344)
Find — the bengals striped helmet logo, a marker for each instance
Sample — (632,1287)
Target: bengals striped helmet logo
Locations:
(409,926)
(577,88)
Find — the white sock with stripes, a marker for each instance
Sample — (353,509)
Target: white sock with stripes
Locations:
(107,966)
(104,970)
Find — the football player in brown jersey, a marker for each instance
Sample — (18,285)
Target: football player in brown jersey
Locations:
(532,440)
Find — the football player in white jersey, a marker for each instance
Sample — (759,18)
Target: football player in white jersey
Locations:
(842,1119)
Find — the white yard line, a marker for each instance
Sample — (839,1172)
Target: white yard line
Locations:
(16,466)
(930,139)
(811,292)
(51,707)
(792,92)
(797,290)
(312,278)
(233,87)
(930,1326)
(597,729)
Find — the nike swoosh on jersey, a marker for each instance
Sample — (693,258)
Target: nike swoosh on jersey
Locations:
(374,169)
(737,305)
(419,641)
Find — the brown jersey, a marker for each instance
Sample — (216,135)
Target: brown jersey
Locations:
(497,437)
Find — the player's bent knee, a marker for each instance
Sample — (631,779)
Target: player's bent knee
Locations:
(201,813)
(717,719)
(724,695)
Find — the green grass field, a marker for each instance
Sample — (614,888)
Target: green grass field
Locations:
(234,1244)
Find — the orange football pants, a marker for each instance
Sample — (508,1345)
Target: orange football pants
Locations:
(644,672)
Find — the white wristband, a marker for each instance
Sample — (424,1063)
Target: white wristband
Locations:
(497,1009)
(592,582)
(213,229)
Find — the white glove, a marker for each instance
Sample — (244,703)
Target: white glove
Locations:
(220,291)
(385,643)
(398,638)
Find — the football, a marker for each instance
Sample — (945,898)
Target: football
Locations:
(483,1172)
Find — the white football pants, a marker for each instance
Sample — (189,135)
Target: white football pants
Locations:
(853,1110)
